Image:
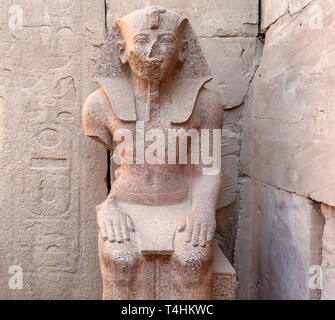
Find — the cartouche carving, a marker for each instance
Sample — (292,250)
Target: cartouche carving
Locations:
(151,75)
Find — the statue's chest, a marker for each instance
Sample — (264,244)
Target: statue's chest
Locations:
(147,131)
(158,142)
(153,124)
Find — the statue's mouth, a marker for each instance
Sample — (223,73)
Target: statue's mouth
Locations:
(153,62)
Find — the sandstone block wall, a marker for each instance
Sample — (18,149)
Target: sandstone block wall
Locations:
(51,175)
(287,157)
(276,211)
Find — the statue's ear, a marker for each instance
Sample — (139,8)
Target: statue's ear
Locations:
(121,48)
(183,51)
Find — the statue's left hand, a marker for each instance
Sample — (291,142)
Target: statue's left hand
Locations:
(199,228)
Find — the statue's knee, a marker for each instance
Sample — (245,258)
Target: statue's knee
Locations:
(189,267)
(120,262)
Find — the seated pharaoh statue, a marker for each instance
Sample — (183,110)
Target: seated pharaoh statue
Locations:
(164,127)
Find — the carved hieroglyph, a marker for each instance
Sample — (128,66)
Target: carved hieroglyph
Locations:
(159,212)
(48,48)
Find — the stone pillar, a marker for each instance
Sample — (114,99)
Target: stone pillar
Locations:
(287,155)
(48,223)
(328,253)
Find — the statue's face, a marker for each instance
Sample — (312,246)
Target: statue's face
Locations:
(153,54)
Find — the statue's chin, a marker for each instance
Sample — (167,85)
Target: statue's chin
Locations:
(150,77)
(150,73)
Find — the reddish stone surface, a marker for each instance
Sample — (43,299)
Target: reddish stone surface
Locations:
(158,222)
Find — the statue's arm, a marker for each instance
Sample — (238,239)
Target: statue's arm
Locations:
(113,223)
(94,117)
(206,178)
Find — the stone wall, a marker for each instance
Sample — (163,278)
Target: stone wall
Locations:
(287,157)
(51,175)
(276,210)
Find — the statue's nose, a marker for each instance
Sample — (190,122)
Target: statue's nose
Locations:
(152,49)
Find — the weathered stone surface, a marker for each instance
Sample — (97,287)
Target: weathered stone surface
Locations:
(328,254)
(226,219)
(233,119)
(293,107)
(272,10)
(224,278)
(297,5)
(286,144)
(233,62)
(51,59)
(47,203)
(287,238)
(154,209)
(230,166)
(244,242)
(209,18)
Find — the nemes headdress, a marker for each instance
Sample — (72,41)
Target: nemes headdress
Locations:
(113,77)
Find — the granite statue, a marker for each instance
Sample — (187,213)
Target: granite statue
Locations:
(160,212)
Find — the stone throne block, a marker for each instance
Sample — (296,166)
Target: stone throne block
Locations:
(224,276)
(157,268)
(154,233)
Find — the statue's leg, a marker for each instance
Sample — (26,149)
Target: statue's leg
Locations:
(191,270)
(119,264)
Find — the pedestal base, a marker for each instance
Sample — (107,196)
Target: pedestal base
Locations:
(224,277)
(157,277)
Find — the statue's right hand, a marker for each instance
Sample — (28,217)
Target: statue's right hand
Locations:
(114,224)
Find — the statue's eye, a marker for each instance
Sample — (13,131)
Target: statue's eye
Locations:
(141,40)
(167,39)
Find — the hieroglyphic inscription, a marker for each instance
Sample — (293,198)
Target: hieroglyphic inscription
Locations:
(47,221)
(51,219)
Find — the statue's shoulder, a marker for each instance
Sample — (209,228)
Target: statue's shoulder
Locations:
(96,102)
(209,97)
(95,116)
(209,108)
